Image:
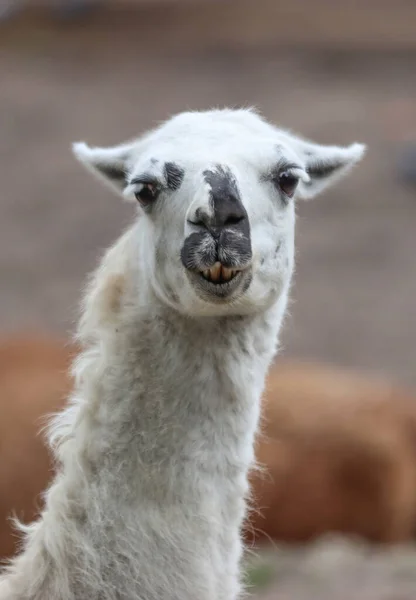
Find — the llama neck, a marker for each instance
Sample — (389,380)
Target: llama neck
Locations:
(172,394)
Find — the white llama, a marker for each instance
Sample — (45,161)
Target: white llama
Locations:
(178,329)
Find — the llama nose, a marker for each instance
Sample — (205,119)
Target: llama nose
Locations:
(228,213)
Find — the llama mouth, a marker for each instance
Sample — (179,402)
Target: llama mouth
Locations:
(220,283)
(218,274)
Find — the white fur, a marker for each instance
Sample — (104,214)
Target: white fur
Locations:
(156,443)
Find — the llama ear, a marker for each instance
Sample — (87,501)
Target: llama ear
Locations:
(325,165)
(109,164)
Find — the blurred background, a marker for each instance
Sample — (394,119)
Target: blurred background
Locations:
(334,71)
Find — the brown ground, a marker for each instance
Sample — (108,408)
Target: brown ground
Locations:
(354,298)
(337,569)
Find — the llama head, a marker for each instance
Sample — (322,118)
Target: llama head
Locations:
(216,191)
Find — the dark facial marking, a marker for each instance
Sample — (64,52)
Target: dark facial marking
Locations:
(225,197)
(222,182)
(277,249)
(174,175)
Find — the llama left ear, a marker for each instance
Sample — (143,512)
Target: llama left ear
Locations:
(109,164)
(325,165)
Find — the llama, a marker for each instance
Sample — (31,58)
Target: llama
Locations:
(179,326)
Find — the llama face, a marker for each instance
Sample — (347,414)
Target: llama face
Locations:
(216,193)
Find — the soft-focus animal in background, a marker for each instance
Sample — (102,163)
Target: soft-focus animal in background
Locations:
(34,382)
(338,449)
(339,454)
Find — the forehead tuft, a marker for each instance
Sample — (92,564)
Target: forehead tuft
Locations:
(210,136)
(214,125)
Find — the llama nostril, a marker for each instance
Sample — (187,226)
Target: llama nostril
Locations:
(200,219)
(233,220)
(217,222)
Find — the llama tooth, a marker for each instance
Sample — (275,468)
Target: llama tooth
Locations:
(215,271)
(226,273)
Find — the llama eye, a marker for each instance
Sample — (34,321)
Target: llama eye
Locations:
(288,183)
(147,194)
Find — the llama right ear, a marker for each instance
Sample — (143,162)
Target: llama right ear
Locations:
(326,164)
(108,164)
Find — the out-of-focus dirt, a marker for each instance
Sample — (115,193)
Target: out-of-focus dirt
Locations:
(337,569)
